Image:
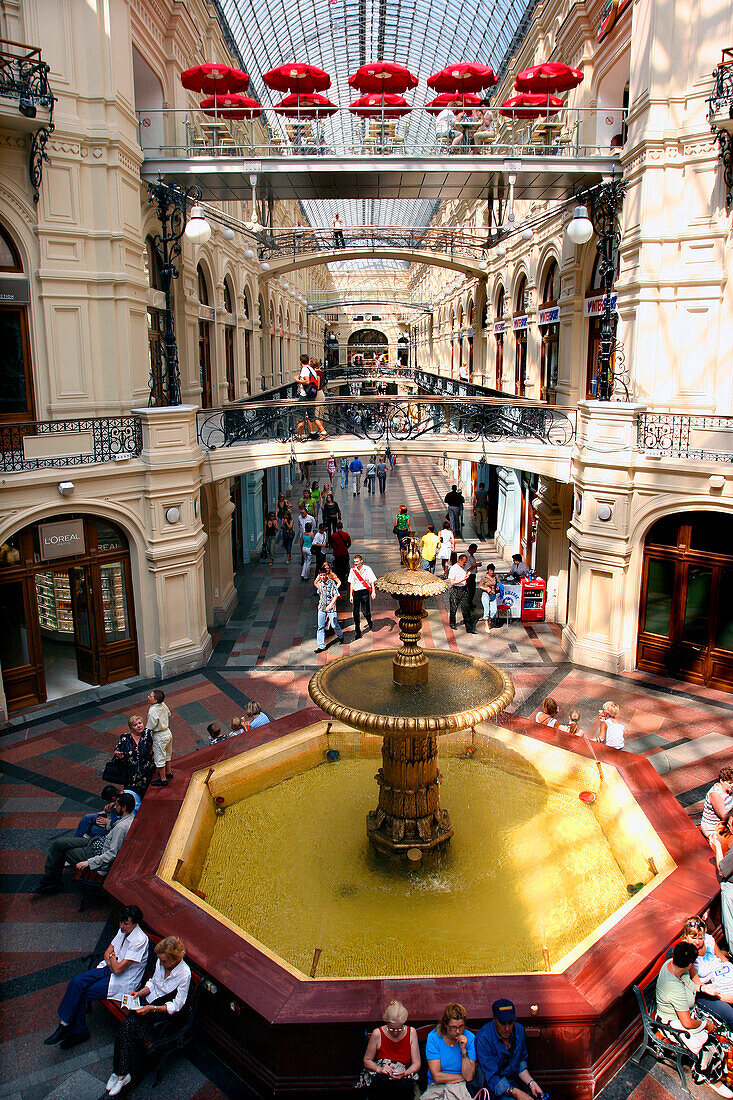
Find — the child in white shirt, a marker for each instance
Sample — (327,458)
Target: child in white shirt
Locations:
(611,731)
(158,722)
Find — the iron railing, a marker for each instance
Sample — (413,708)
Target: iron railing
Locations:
(24,74)
(101,439)
(679,435)
(446,240)
(427,381)
(383,420)
(563,133)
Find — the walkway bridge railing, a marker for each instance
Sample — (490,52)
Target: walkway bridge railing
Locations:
(330,300)
(383,420)
(446,240)
(570,132)
(426,380)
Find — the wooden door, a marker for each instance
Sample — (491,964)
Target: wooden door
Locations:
(20,645)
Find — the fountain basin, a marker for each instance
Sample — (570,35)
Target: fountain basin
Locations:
(269,1016)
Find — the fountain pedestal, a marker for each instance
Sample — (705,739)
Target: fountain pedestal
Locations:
(408,814)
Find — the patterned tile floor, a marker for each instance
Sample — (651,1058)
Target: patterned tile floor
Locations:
(51,759)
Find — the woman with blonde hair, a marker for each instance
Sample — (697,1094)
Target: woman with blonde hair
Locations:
(165,993)
(450,1052)
(392,1057)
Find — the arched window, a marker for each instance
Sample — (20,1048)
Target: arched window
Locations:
(520,299)
(499,336)
(16,374)
(549,317)
(247,307)
(596,297)
(520,338)
(156,327)
(204,342)
(229,343)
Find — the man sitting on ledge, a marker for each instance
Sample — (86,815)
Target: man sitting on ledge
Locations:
(501,1051)
(94,854)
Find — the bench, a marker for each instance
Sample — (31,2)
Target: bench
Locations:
(661,1039)
(92,885)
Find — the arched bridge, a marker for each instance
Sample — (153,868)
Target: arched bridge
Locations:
(290,249)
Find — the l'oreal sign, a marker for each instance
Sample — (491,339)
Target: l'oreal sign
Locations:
(594,307)
(61,540)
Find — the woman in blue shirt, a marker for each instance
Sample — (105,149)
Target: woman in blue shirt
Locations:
(450,1052)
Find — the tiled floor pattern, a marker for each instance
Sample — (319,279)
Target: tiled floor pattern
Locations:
(51,759)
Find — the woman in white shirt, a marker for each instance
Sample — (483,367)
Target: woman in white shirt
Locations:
(166,992)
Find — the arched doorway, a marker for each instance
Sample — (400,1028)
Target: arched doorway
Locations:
(365,346)
(204,341)
(403,351)
(67,607)
(686,610)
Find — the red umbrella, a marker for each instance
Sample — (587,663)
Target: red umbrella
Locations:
(448,99)
(214,78)
(552,76)
(306,106)
(463,77)
(527,105)
(373,105)
(297,78)
(232,106)
(383,77)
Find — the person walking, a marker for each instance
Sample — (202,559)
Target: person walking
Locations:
(340,543)
(331,515)
(271,530)
(361,590)
(457,577)
(318,547)
(287,533)
(472,568)
(382,474)
(327,586)
(402,526)
(429,544)
(455,501)
(371,476)
(447,546)
(307,392)
(306,548)
(316,500)
(344,468)
(355,468)
(331,468)
(338,231)
(481,511)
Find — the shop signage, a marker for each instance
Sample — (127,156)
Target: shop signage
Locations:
(594,307)
(499,326)
(14,291)
(519,322)
(549,316)
(61,540)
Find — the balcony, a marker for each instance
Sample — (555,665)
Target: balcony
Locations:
(682,435)
(341,157)
(59,444)
(26,99)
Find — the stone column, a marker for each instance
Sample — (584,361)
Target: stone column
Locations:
(553,515)
(221,593)
(599,535)
(175,551)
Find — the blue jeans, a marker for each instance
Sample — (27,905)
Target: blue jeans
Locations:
(721,1010)
(88,826)
(726,910)
(429,565)
(332,618)
(92,985)
(490,606)
(345,478)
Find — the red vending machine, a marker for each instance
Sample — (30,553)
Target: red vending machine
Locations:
(533,601)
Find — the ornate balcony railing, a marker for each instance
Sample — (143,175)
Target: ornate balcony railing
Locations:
(720,117)
(24,78)
(679,435)
(447,240)
(383,420)
(56,444)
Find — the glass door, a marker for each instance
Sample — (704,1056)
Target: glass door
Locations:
(697,621)
(85,642)
(20,646)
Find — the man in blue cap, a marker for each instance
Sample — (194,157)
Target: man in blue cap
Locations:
(501,1051)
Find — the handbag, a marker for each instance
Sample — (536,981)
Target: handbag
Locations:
(114,771)
(311,390)
(395,529)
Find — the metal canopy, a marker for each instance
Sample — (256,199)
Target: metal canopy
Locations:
(223,179)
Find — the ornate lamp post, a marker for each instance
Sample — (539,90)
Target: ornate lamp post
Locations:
(172,211)
(598,211)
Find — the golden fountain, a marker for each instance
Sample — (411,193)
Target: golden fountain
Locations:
(409,699)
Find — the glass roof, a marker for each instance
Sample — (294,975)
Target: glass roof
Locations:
(341,35)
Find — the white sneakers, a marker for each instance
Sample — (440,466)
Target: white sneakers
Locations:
(720,1088)
(122,1082)
(112,1081)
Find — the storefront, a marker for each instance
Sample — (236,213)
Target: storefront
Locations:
(67,609)
(686,613)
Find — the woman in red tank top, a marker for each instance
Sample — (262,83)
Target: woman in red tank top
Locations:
(392,1057)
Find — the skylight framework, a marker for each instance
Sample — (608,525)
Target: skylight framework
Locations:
(341,35)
